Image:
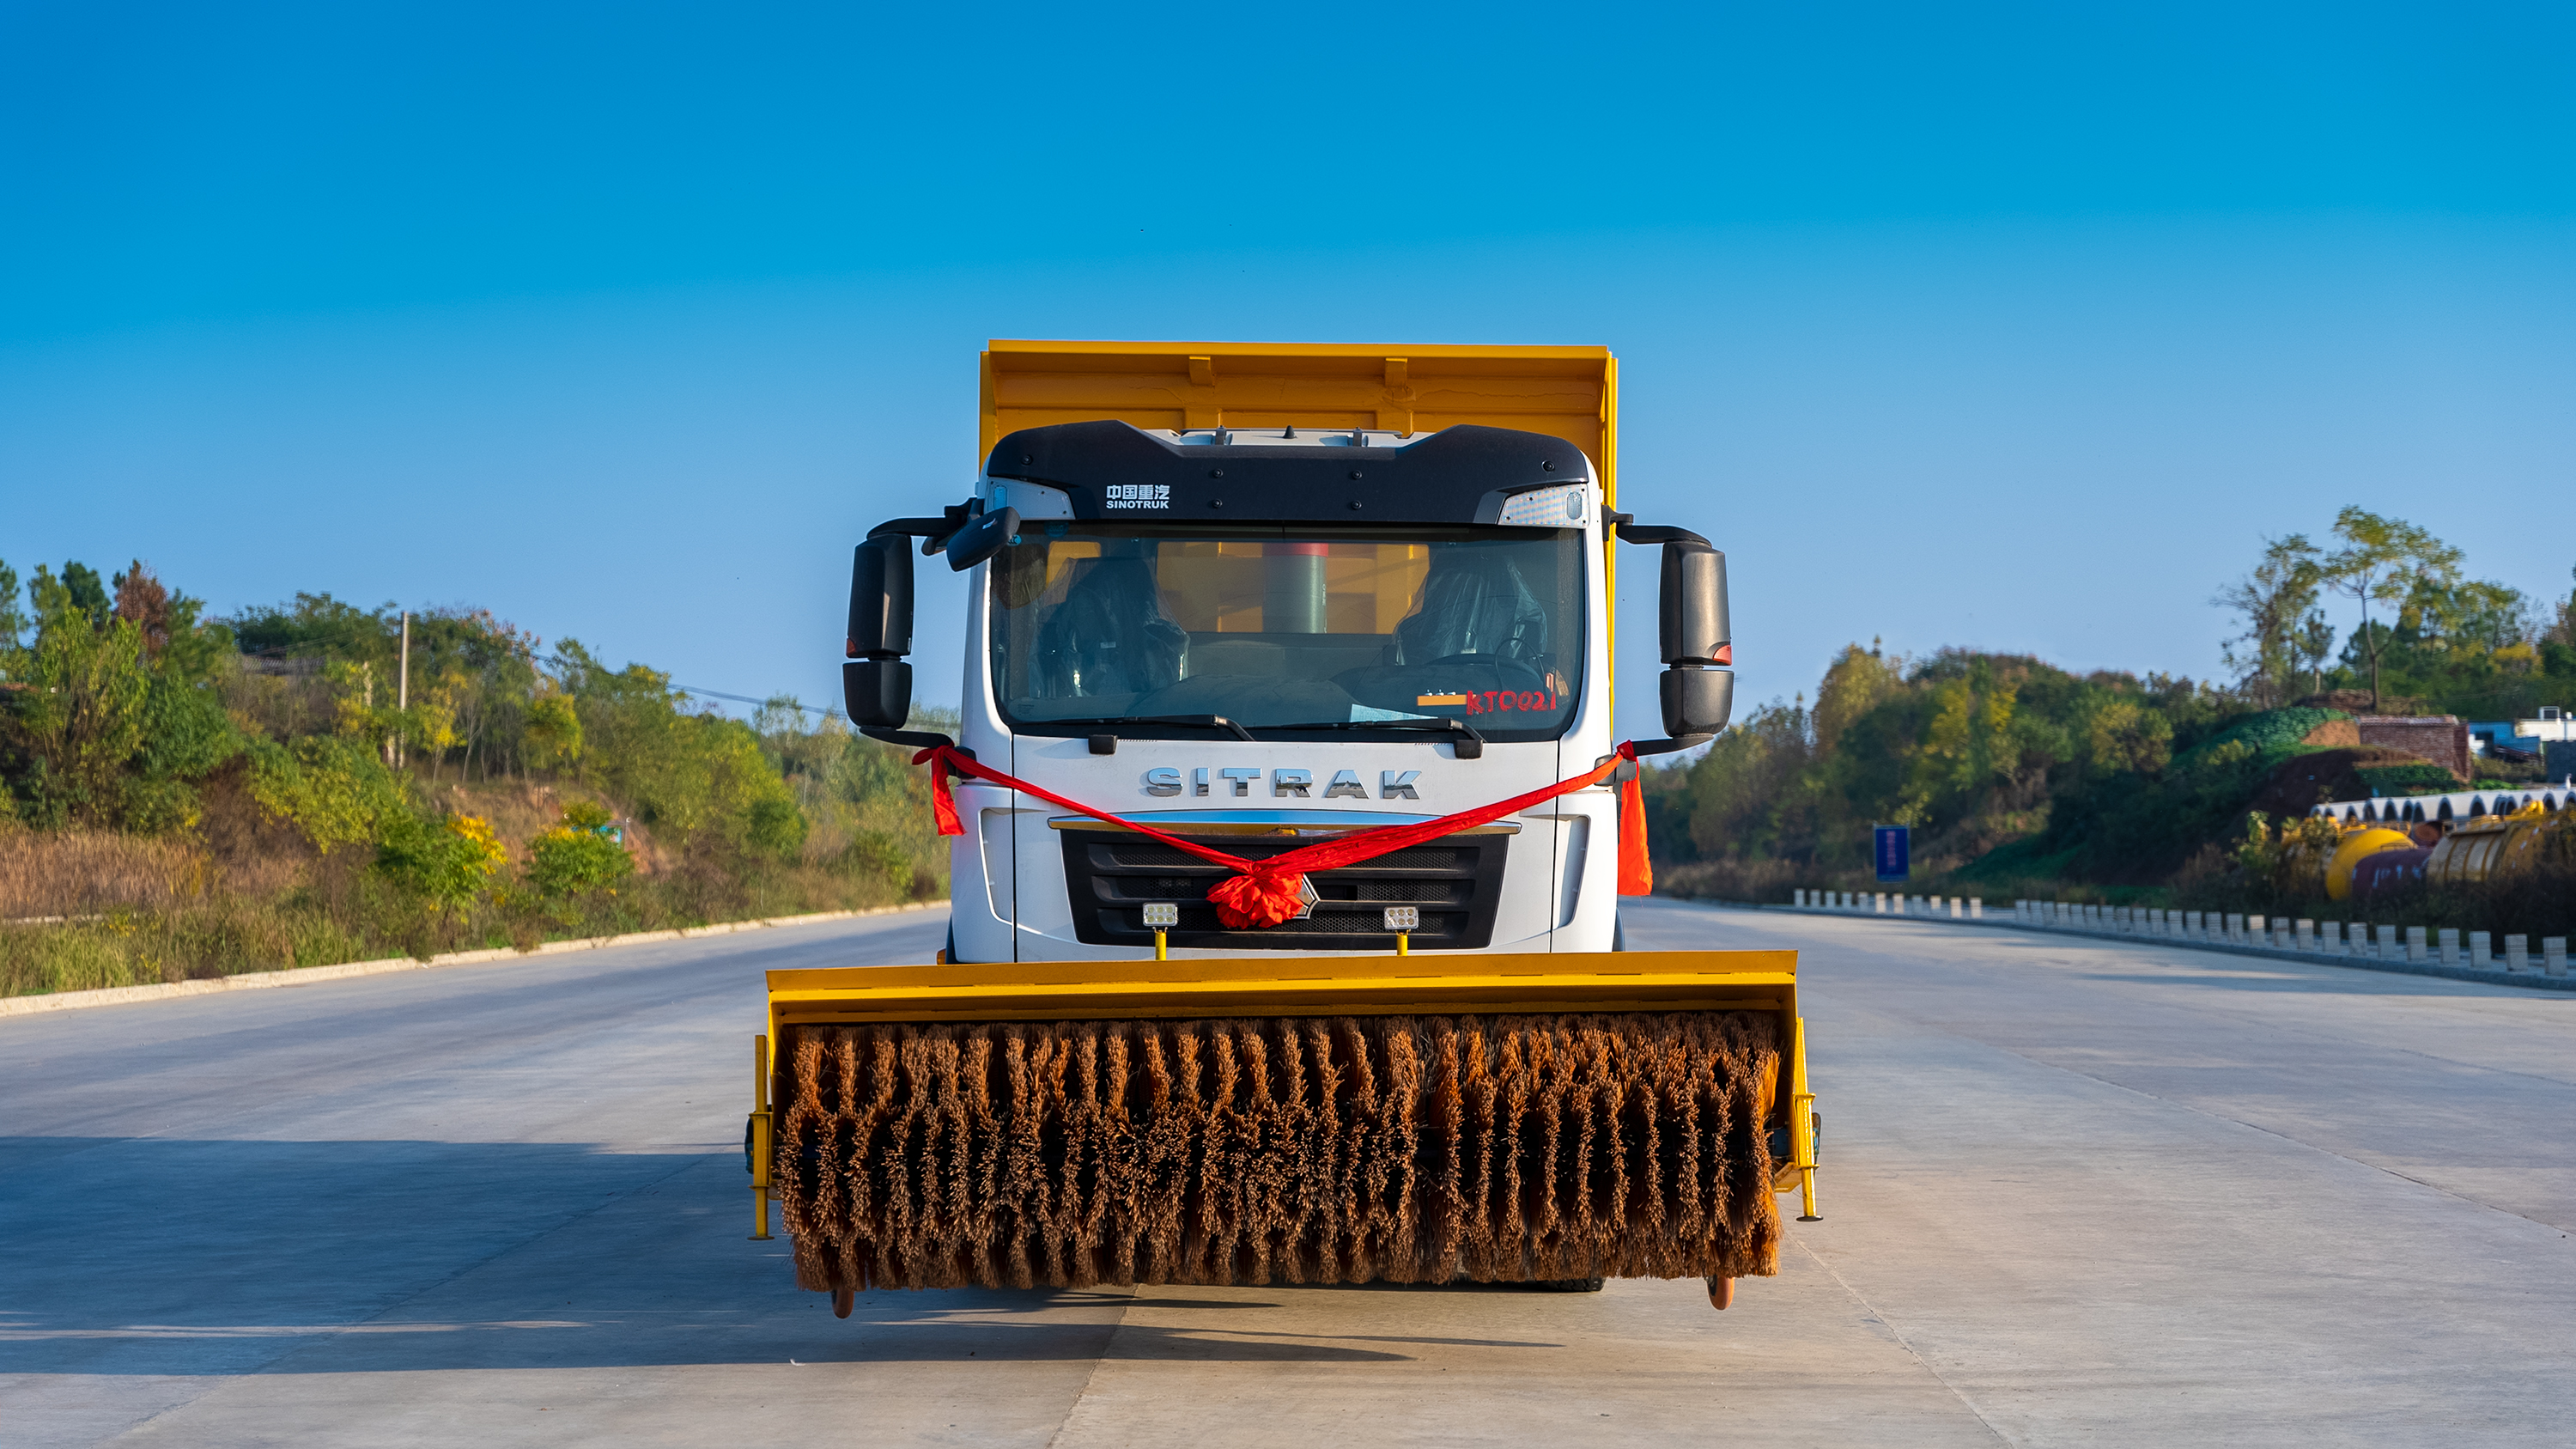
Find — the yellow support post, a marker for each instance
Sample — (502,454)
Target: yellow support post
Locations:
(1802,1128)
(760,1142)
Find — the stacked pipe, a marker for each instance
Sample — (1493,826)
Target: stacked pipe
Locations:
(1318,1150)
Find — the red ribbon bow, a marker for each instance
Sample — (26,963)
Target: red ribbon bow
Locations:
(1264,893)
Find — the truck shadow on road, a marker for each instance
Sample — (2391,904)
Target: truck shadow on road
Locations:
(140,1255)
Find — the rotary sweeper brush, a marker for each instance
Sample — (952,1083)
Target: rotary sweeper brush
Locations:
(1288,834)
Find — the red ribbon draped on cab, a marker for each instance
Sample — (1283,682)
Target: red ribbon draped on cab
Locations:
(1263,893)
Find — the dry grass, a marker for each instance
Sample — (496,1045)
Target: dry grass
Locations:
(1341,1150)
(241,892)
(87,872)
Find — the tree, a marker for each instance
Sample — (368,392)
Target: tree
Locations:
(143,602)
(13,619)
(2277,603)
(80,582)
(2384,559)
(82,720)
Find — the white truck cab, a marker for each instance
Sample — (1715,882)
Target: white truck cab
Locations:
(1258,638)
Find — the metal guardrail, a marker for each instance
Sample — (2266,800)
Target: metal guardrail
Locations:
(2417,952)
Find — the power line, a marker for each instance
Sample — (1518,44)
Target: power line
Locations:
(747,699)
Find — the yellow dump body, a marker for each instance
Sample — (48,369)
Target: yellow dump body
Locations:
(1569,392)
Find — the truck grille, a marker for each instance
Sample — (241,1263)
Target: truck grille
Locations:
(1111,875)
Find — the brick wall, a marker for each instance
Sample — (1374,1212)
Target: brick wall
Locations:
(2441,738)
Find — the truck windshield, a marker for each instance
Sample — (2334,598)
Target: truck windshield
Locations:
(1274,628)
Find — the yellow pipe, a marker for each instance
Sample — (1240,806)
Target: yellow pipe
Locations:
(1404,943)
(1160,954)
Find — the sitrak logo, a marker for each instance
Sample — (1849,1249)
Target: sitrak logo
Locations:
(1139,495)
(1238,781)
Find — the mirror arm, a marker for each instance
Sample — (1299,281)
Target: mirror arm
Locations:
(1666,747)
(934,533)
(1657,533)
(913,739)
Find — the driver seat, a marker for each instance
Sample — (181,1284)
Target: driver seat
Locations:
(1473,602)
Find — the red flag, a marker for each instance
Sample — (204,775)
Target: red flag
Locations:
(1636,867)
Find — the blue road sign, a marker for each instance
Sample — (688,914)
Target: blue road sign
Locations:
(1892,846)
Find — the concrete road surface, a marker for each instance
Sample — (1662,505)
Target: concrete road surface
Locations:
(2075,1192)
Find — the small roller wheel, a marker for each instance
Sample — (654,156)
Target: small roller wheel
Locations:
(842,1299)
(1721,1293)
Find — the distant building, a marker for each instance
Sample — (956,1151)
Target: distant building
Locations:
(2487,736)
(2551,727)
(2440,738)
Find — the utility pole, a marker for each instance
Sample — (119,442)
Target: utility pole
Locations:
(402,690)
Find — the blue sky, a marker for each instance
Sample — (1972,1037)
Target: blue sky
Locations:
(2005,326)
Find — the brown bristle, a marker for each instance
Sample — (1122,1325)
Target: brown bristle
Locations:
(1321,1150)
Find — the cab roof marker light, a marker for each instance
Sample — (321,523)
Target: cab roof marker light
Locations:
(1562,506)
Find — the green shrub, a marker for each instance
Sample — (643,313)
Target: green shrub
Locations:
(574,858)
(445,864)
(2423,779)
(333,788)
(873,857)
(2270,734)
(55,958)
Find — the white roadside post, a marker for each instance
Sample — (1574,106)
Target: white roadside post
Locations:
(2517,953)
(2553,955)
(2416,946)
(2449,952)
(2303,935)
(2482,950)
(2388,948)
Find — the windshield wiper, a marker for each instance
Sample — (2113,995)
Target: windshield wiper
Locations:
(1470,748)
(1201,721)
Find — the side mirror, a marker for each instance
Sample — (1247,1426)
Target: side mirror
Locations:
(1693,627)
(982,539)
(881,597)
(1696,701)
(876,683)
(1697,689)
